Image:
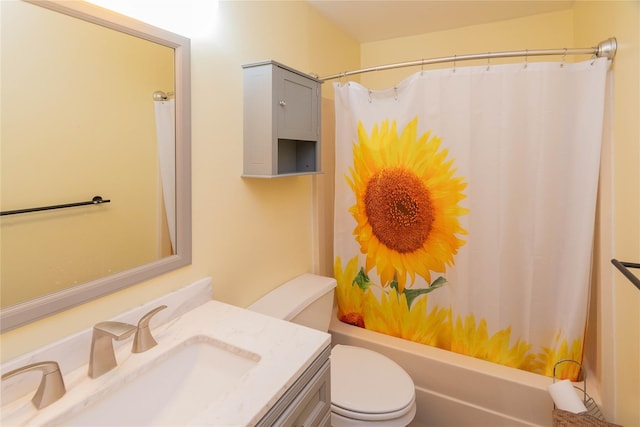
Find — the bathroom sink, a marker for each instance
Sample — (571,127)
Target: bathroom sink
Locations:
(174,388)
(215,364)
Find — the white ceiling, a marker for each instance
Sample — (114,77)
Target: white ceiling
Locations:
(374,20)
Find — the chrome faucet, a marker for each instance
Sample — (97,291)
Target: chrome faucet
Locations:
(103,358)
(143,340)
(51,386)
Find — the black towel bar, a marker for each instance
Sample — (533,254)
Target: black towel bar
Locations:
(622,266)
(97,200)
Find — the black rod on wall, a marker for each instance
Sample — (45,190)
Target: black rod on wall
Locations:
(622,266)
(97,200)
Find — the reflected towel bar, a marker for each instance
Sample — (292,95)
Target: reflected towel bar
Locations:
(622,266)
(97,200)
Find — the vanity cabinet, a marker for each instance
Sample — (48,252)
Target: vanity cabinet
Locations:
(307,403)
(281,121)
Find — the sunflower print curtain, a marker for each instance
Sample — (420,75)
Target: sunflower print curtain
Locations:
(465,209)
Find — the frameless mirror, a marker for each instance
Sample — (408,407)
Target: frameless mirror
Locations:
(80,120)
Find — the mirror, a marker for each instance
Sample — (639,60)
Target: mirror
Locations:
(79,120)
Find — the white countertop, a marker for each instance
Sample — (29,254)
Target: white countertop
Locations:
(285,350)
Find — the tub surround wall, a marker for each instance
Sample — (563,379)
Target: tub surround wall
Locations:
(456,390)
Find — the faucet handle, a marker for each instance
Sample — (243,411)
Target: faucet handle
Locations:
(143,340)
(51,386)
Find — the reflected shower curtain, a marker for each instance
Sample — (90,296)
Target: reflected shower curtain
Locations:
(465,209)
(166,134)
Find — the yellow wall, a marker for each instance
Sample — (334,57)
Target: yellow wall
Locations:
(617,359)
(515,34)
(249,235)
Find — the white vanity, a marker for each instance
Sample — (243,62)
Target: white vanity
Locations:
(215,364)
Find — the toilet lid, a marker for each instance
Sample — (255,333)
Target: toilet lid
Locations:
(367,382)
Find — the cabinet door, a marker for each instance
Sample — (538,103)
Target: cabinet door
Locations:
(312,405)
(297,107)
(307,403)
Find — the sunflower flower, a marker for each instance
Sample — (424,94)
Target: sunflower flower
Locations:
(350,296)
(472,340)
(391,315)
(406,203)
(517,356)
(561,351)
(468,339)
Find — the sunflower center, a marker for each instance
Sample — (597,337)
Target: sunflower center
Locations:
(354,319)
(399,209)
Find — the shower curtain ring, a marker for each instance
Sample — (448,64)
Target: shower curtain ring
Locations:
(454,62)
(564,57)
(526,58)
(488,60)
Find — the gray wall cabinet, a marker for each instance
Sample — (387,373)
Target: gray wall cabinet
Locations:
(281,121)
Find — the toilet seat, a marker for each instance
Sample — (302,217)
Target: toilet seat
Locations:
(338,420)
(368,386)
(363,416)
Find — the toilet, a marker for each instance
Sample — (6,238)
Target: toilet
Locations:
(367,388)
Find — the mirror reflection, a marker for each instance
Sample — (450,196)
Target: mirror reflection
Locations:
(79,120)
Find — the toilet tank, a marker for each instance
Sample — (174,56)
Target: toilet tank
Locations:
(306,300)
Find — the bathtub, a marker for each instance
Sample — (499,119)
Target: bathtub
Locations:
(456,390)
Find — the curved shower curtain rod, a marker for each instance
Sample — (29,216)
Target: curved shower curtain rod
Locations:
(606,48)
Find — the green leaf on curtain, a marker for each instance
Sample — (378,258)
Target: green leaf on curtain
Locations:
(412,294)
(362,280)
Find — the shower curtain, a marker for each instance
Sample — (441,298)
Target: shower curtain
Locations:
(166,135)
(465,209)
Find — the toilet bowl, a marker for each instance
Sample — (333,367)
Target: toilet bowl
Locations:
(367,388)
